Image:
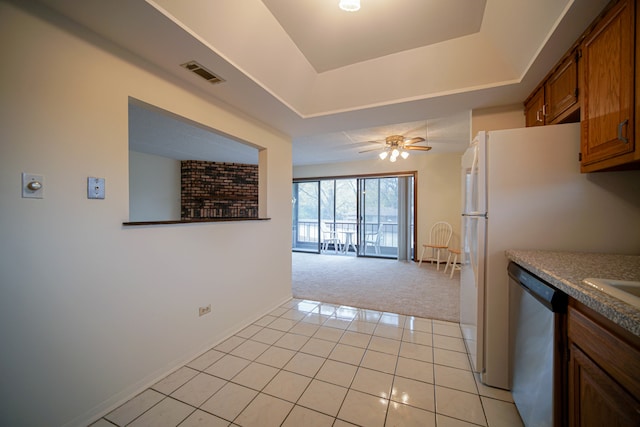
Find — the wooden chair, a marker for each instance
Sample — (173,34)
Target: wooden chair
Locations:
(453,263)
(439,239)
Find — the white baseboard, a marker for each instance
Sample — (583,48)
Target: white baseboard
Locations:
(129,393)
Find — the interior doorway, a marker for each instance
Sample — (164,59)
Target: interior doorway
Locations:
(367,216)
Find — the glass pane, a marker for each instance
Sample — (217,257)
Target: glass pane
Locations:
(389,213)
(369,216)
(351,216)
(327,201)
(329,239)
(346,213)
(379,226)
(305,233)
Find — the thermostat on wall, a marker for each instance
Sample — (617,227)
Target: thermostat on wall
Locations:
(95,188)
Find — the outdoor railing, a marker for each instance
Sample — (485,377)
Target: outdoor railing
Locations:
(307,231)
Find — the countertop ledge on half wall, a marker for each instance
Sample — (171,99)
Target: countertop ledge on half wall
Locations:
(567,270)
(190,221)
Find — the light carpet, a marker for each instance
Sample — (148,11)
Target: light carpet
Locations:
(378,284)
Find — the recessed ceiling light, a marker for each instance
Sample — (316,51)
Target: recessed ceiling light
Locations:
(350,5)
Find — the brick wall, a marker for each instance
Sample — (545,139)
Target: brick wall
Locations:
(218,190)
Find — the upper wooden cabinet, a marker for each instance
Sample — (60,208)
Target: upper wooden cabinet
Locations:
(607,110)
(595,84)
(555,100)
(561,91)
(534,109)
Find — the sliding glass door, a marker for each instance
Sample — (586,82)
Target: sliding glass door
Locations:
(383,220)
(367,216)
(305,201)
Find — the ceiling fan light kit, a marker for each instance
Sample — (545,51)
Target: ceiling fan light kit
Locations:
(349,5)
(399,146)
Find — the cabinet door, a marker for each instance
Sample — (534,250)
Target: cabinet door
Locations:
(534,109)
(608,61)
(561,90)
(595,399)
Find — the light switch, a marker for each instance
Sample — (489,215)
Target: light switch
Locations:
(32,186)
(95,188)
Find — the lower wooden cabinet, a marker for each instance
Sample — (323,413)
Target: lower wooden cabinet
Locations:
(598,400)
(604,371)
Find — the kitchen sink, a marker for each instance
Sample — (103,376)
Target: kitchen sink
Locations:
(624,290)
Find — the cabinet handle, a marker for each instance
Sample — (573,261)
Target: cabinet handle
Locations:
(538,116)
(544,110)
(620,126)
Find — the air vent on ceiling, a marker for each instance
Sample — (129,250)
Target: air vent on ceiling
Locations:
(194,67)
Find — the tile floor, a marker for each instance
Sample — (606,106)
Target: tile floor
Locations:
(314,364)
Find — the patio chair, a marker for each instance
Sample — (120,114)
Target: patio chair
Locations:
(373,239)
(329,236)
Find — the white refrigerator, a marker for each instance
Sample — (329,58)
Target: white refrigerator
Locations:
(522,189)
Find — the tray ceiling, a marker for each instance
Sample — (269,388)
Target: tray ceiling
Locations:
(308,69)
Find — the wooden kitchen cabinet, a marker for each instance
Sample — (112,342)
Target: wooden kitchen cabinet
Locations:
(556,100)
(604,371)
(607,91)
(534,108)
(595,84)
(561,92)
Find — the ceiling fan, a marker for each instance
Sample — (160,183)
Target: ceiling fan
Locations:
(398,145)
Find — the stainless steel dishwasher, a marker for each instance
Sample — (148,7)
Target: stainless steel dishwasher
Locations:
(536,323)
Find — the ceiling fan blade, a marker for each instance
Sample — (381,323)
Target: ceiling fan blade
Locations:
(364,144)
(366,151)
(418,148)
(414,140)
(378,143)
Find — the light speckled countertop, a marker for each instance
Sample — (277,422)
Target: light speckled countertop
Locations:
(566,270)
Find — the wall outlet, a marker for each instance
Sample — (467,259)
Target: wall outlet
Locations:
(204,310)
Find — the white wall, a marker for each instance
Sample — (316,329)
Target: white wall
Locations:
(91,311)
(497,118)
(154,187)
(438,186)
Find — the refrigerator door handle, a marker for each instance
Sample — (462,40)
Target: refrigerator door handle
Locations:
(476,214)
(473,176)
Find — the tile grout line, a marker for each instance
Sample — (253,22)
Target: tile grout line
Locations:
(384,345)
(354,375)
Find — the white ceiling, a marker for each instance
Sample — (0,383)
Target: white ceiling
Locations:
(157,132)
(445,134)
(333,38)
(327,77)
